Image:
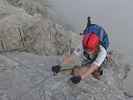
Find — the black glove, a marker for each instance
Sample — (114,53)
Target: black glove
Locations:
(75,79)
(56,68)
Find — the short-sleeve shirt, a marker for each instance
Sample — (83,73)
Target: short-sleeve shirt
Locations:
(84,60)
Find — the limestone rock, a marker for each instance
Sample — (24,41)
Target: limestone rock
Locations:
(32,79)
(30,32)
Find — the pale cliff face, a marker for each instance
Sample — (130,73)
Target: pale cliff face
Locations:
(25,76)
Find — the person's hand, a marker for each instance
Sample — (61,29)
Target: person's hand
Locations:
(56,68)
(75,79)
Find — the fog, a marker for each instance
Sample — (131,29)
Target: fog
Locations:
(114,15)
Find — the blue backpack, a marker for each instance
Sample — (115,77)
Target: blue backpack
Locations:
(100,33)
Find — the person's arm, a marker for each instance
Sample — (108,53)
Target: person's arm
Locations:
(96,64)
(92,68)
(101,56)
(83,73)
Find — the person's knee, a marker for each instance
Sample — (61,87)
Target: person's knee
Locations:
(75,70)
(79,70)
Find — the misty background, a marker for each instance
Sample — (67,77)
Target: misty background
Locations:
(114,15)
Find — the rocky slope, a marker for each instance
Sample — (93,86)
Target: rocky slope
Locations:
(25,76)
(25,26)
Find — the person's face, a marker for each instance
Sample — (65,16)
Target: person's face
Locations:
(90,52)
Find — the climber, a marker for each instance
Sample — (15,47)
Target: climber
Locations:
(101,33)
(92,52)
